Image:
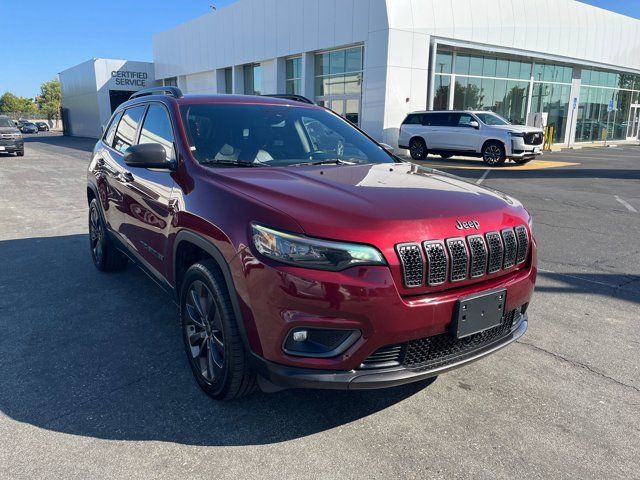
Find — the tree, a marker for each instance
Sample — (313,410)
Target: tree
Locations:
(10,103)
(50,99)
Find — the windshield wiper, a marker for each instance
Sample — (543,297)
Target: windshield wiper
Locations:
(232,163)
(328,161)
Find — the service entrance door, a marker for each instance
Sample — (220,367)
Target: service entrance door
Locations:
(634,122)
(347,106)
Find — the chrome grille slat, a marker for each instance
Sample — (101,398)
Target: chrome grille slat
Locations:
(523,244)
(436,262)
(478,253)
(412,263)
(496,251)
(458,259)
(510,248)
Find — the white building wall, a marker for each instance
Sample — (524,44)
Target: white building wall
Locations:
(396,35)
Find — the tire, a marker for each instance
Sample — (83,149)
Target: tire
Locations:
(211,336)
(106,257)
(522,161)
(20,153)
(493,154)
(418,149)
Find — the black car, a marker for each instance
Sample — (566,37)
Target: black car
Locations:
(11,140)
(42,126)
(29,127)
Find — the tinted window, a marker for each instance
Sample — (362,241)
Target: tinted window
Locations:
(413,119)
(127,128)
(464,120)
(111,131)
(157,129)
(442,119)
(275,135)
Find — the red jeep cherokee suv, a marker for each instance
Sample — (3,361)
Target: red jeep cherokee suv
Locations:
(302,253)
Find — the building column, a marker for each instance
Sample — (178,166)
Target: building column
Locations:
(572,114)
(308,75)
(281,75)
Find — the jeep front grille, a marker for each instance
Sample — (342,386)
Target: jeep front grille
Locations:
(436,262)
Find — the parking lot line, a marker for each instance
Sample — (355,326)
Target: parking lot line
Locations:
(627,205)
(484,175)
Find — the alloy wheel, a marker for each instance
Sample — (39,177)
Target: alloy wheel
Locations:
(96,235)
(492,154)
(417,149)
(203,331)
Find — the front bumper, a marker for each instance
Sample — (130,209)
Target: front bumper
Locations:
(519,149)
(11,146)
(295,377)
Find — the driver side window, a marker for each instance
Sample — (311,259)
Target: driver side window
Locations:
(156,128)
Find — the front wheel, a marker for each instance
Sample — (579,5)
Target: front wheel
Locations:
(418,149)
(493,154)
(20,153)
(211,335)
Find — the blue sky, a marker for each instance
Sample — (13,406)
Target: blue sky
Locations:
(43,38)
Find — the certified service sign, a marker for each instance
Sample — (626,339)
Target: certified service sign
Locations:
(125,78)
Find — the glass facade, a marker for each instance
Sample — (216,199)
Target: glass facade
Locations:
(228,80)
(339,72)
(599,89)
(253,79)
(512,87)
(294,76)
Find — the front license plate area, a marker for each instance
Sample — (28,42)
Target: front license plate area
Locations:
(477,313)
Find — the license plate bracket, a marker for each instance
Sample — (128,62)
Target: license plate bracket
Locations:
(479,312)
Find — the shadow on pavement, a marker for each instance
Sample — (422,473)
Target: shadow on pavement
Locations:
(100,355)
(624,287)
(83,144)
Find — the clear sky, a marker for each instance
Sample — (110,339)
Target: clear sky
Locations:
(40,39)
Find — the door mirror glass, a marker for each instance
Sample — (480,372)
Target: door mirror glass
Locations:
(147,155)
(474,124)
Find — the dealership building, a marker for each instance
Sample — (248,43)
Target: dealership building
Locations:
(373,61)
(92,90)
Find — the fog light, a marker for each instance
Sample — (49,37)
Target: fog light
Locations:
(319,342)
(300,336)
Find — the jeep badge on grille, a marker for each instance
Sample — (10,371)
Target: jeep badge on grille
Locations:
(467,225)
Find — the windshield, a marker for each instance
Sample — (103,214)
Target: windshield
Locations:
(491,119)
(275,135)
(6,122)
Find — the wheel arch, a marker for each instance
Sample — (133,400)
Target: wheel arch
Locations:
(494,140)
(184,243)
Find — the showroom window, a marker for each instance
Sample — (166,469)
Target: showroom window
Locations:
(253,79)
(338,81)
(294,76)
(170,82)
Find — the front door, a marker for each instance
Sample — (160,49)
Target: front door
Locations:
(149,205)
(634,122)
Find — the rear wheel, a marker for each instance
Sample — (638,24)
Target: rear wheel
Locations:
(493,154)
(211,336)
(106,257)
(418,149)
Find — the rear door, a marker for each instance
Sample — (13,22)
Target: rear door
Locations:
(149,207)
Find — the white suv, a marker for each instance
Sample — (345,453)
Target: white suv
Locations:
(479,134)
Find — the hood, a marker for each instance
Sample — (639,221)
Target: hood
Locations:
(392,203)
(9,130)
(518,128)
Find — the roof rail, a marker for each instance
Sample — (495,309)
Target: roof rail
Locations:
(172,91)
(295,98)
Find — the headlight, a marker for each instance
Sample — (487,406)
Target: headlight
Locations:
(516,134)
(312,253)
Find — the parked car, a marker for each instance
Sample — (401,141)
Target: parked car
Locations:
(11,140)
(294,263)
(470,133)
(28,127)
(42,126)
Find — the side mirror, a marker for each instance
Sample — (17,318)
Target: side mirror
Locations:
(147,155)
(388,148)
(474,124)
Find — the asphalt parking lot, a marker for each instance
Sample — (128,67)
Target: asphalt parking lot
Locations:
(94,383)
